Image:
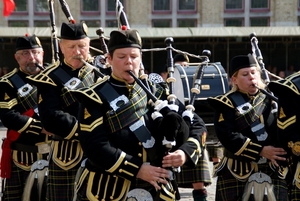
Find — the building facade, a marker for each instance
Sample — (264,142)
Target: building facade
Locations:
(160,13)
(171,16)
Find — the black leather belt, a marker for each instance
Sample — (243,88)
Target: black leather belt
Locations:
(23,147)
(29,148)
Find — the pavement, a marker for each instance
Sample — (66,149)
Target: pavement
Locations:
(185,193)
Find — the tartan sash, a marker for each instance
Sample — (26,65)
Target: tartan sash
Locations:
(134,108)
(27,94)
(252,111)
(157,89)
(85,78)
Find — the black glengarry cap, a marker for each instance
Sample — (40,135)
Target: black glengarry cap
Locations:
(124,38)
(241,61)
(28,42)
(73,31)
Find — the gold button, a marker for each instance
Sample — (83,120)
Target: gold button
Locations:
(140,155)
(76,134)
(140,143)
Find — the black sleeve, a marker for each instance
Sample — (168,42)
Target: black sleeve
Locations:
(55,118)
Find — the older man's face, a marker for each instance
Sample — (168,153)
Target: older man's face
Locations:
(28,58)
(75,51)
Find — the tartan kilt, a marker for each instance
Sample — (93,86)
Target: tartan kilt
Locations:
(200,173)
(60,186)
(215,151)
(230,189)
(15,184)
(294,193)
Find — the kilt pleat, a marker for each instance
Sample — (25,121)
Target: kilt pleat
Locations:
(230,189)
(200,173)
(294,193)
(60,186)
(15,184)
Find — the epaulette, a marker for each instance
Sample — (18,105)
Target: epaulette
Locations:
(220,101)
(290,83)
(90,92)
(43,77)
(5,78)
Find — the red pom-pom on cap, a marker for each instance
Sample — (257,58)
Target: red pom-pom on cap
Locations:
(124,27)
(26,35)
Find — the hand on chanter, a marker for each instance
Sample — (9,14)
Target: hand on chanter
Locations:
(174,159)
(274,154)
(153,175)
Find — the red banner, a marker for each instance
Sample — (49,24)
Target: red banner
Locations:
(8,7)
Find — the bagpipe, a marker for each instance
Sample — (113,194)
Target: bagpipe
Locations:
(264,72)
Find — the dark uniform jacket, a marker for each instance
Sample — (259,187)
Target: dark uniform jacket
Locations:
(244,124)
(59,108)
(110,110)
(288,92)
(19,114)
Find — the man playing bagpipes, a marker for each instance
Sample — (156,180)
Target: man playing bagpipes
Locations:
(120,137)
(59,108)
(24,143)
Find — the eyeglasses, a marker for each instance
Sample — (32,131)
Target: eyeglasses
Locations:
(27,53)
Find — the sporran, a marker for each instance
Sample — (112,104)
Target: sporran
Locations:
(259,187)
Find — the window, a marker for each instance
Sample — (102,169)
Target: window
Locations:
(161,23)
(18,23)
(189,5)
(111,23)
(90,6)
(21,6)
(111,5)
(186,23)
(42,23)
(259,4)
(41,6)
(161,5)
(259,22)
(233,22)
(233,4)
(92,23)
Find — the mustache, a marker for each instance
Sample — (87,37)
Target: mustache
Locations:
(31,64)
(78,57)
